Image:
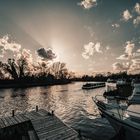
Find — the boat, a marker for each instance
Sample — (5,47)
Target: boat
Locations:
(93,85)
(117,88)
(124,118)
(121,82)
(135,97)
(110,85)
(126,123)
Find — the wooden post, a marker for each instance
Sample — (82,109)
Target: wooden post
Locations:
(13,113)
(36,108)
(52,112)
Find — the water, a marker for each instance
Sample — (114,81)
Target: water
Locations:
(71,104)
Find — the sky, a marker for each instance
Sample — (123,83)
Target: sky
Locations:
(88,35)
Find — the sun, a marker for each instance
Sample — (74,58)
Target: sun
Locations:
(58,49)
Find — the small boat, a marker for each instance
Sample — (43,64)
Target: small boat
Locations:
(93,85)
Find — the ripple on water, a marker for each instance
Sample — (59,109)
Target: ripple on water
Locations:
(70,103)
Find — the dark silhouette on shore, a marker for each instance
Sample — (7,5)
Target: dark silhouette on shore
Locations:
(104,77)
(20,74)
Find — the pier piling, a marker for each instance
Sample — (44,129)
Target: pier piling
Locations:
(13,113)
(37,108)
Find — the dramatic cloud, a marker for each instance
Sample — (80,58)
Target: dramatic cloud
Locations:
(116,25)
(126,15)
(135,66)
(128,54)
(129,48)
(97,48)
(136,21)
(120,66)
(8,45)
(132,60)
(87,4)
(137,8)
(90,49)
(136,17)
(46,54)
(123,57)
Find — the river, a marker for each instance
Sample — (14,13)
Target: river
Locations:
(70,103)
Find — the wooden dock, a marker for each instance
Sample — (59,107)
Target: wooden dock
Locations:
(35,125)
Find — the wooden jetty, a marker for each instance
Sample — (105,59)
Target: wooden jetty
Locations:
(35,125)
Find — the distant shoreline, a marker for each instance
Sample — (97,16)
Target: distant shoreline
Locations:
(30,83)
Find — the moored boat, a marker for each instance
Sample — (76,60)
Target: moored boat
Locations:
(125,118)
(93,85)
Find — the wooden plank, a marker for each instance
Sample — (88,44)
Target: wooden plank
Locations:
(20,118)
(5,122)
(32,115)
(53,129)
(39,128)
(49,123)
(46,122)
(29,115)
(17,119)
(2,124)
(24,118)
(32,135)
(14,120)
(9,121)
(59,135)
(43,112)
(69,134)
(36,114)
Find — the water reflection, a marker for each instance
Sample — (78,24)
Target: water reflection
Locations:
(70,103)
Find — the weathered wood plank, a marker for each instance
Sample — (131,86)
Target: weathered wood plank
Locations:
(2,124)
(50,130)
(13,120)
(9,121)
(24,118)
(5,122)
(43,112)
(17,119)
(32,135)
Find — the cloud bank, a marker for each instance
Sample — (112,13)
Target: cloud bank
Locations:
(6,44)
(130,60)
(87,4)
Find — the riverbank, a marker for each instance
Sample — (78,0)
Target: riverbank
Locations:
(22,83)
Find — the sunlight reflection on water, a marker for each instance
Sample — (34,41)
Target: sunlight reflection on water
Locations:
(70,103)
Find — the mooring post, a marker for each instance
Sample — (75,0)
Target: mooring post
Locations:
(36,108)
(13,113)
(52,112)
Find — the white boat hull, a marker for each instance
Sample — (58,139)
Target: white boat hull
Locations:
(124,129)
